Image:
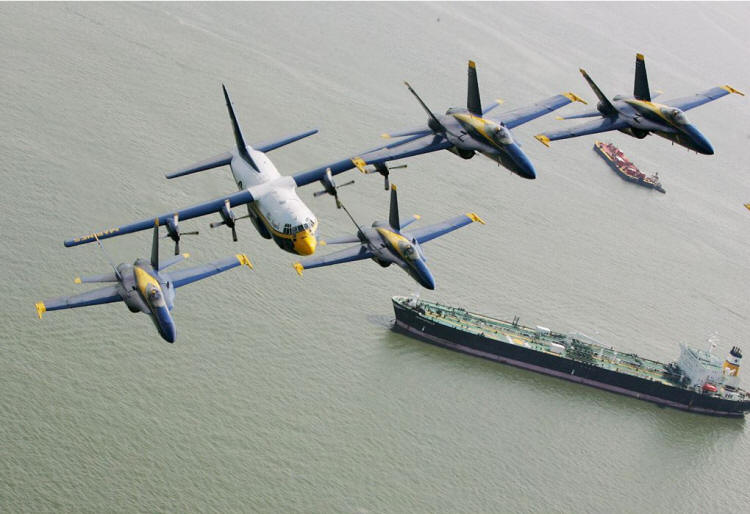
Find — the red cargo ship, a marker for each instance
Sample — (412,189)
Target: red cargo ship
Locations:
(626,169)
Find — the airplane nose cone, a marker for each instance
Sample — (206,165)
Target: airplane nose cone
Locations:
(524,167)
(425,276)
(700,142)
(305,245)
(169,332)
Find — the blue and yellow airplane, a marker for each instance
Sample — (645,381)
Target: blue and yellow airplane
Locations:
(462,131)
(144,287)
(639,116)
(272,202)
(386,244)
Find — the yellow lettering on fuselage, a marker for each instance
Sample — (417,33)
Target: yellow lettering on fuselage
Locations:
(96,234)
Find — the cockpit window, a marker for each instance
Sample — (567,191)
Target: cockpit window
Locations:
(407,250)
(501,135)
(675,115)
(154,294)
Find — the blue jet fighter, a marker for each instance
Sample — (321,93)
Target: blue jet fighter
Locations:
(462,131)
(638,116)
(386,244)
(144,287)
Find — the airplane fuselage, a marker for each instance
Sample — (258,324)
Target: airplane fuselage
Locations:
(491,139)
(668,122)
(144,290)
(277,211)
(389,246)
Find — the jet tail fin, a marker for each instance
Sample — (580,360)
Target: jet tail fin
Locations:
(155,246)
(605,106)
(239,139)
(640,88)
(473,103)
(393,218)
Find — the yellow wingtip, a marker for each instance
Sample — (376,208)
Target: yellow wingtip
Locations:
(747,206)
(574,98)
(499,101)
(40,309)
(393,187)
(156,222)
(186,255)
(385,136)
(559,118)
(417,217)
(244,261)
(359,163)
(474,217)
(299,267)
(733,90)
(472,64)
(322,242)
(542,139)
(639,57)
(77,280)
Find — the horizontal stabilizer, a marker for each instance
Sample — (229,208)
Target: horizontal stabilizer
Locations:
(104,277)
(587,114)
(173,260)
(212,162)
(425,234)
(273,145)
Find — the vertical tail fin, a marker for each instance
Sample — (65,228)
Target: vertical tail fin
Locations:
(640,88)
(393,218)
(473,103)
(604,106)
(155,246)
(241,146)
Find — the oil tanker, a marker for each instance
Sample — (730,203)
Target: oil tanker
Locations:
(698,381)
(625,169)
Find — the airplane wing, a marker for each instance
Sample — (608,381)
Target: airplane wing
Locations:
(107,294)
(424,234)
(187,276)
(407,147)
(592,127)
(523,115)
(238,198)
(355,253)
(689,102)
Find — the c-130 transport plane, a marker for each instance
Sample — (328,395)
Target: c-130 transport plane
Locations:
(386,244)
(273,205)
(144,286)
(638,116)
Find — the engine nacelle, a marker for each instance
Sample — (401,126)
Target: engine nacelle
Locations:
(383,264)
(634,132)
(464,154)
(227,214)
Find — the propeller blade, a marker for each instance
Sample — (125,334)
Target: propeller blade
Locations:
(215,224)
(177,247)
(234,234)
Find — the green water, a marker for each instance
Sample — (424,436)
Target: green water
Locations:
(289,394)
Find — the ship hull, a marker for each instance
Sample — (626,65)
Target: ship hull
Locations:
(624,175)
(409,321)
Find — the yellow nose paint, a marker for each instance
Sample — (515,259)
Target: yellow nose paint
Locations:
(305,244)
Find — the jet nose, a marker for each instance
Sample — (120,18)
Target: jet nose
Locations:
(701,144)
(305,245)
(524,167)
(425,276)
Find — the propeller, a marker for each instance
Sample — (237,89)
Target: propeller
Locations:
(173,232)
(379,167)
(228,218)
(330,187)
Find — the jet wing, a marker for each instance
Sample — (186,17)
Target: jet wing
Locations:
(187,276)
(355,253)
(107,294)
(424,234)
(407,147)
(690,102)
(238,198)
(592,127)
(523,115)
